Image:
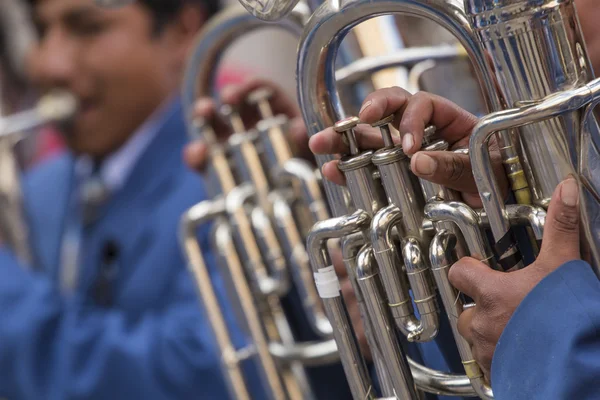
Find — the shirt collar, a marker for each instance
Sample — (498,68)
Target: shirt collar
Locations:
(116,168)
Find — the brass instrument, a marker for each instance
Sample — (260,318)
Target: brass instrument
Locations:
(532,65)
(55,107)
(263,203)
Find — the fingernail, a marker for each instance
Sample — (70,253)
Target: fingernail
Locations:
(365,106)
(424,165)
(408,141)
(569,192)
(310,142)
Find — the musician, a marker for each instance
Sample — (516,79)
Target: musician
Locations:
(534,331)
(108,310)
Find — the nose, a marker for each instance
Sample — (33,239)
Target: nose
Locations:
(53,61)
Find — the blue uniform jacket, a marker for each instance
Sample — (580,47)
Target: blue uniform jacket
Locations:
(550,349)
(153,342)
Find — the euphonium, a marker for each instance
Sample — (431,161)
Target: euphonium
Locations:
(531,61)
(261,199)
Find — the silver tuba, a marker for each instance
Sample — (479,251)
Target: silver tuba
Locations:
(531,62)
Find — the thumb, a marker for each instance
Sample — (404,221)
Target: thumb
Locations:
(472,277)
(561,232)
(195,155)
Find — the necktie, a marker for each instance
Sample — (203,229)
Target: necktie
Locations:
(88,194)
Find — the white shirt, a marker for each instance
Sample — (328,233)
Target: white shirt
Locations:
(117,167)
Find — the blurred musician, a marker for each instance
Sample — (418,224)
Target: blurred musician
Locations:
(196,156)
(110,311)
(534,332)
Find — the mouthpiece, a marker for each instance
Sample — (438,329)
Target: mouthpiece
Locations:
(57,106)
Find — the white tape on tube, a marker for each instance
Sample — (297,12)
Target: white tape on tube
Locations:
(327,283)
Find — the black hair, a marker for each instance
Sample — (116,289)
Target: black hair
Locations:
(164,11)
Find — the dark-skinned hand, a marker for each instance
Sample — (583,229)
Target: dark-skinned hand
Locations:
(498,294)
(412,114)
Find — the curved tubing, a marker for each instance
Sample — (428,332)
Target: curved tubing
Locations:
(522,214)
(395,361)
(310,354)
(415,74)
(468,223)
(211,43)
(412,56)
(552,106)
(234,203)
(191,220)
(300,266)
(304,173)
(317,94)
(441,383)
(55,107)
(351,246)
(442,257)
(426,328)
(326,280)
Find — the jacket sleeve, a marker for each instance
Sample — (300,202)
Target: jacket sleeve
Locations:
(550,349)
(55,347)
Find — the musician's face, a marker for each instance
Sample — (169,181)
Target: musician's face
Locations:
(120,71)
(589,16)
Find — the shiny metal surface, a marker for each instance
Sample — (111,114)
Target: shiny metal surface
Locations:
(391,262)
(360,69)
(269,10)
(270,218)
(321,106)
(443,255)
(395,361)
(309,354)
(318,97)
(351,245)
(216,36)
(551,90)
(327,282)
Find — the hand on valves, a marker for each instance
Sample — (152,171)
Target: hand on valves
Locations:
(496,294)
(236,95)
(413,113)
